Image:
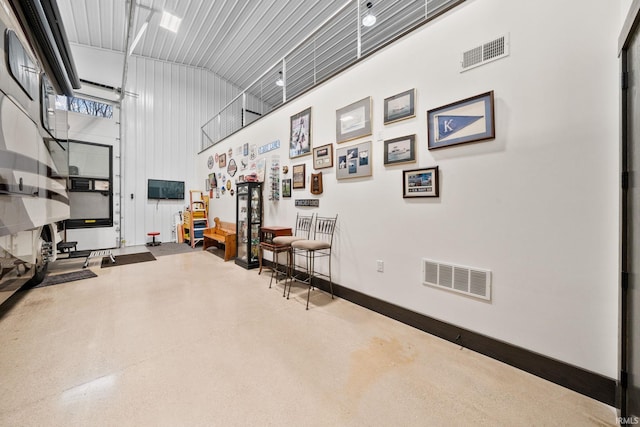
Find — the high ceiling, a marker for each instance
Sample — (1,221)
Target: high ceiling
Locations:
(236,39)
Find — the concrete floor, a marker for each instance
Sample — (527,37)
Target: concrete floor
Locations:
(189,340)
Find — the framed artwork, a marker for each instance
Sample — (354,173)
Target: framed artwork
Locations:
(399,107)
(420,182)
(299,176)
(400,150)
(222,160)
(323,157)
(354,121)
(354,161)
(316,183)
(461,122)
(300,140)
(286,187)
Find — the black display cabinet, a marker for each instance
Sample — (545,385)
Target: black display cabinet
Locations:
(248,223)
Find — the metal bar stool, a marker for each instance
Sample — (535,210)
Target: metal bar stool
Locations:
(301,232)
(317,247)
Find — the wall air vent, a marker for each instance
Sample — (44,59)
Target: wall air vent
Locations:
(471,281)
(486,52)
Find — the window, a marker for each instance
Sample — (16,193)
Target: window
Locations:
(22,68)
(84,106)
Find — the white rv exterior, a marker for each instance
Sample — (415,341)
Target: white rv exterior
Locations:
(33,191)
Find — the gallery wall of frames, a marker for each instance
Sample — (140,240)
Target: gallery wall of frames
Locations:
(423,160)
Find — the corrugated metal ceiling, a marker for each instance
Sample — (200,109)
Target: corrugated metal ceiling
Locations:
(238,40)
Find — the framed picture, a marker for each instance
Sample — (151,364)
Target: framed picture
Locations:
(323,157)
(354,121)
(286,188)
(399,107)
(469,120)
(300,140)
(299,176)
(222,160)
(354,161)
(400,150)
(420,182)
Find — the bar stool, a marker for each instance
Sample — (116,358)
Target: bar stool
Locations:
(153,235)
(283,243)
(317,247)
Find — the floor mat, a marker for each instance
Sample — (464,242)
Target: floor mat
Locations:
(56,279)
(127,259)
(172,248)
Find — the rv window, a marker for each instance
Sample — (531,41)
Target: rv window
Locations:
(22,68)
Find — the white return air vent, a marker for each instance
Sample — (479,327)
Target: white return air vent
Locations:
(475,282)
(486,52)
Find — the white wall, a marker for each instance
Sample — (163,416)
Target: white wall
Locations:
(538,206)
(161,133)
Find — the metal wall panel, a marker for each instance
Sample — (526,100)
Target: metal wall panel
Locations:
(161,134)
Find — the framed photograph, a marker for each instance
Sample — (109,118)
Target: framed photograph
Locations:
(222,160)
(399,107)
(400,150)
(465,121)
(300,140)
(354,161)
(354,121)
(420,182)
(323,157)
(298,176)
(286,188)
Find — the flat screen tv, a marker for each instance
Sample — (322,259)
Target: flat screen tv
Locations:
(165,190)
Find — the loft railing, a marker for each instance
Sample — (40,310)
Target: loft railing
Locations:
(339,42)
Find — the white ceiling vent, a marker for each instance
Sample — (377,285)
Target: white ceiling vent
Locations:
(475,282)
(486,52)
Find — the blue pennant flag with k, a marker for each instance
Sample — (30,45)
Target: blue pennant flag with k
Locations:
(448,125)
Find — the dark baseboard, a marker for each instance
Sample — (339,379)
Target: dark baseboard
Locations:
(577,379)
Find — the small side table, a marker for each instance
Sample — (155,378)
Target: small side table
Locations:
(266,243)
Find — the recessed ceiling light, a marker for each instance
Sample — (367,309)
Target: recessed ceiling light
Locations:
(170,21)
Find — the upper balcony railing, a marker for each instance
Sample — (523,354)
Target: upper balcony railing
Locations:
(339,42)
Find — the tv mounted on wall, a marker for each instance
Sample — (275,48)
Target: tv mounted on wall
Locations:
(165,190)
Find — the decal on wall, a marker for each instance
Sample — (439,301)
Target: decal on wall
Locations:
(314,203)
(269,147)
(210,162)
(253,153)
(245,149)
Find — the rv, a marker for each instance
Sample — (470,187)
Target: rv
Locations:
(37,64)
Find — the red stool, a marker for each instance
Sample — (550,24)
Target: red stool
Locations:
(153,234)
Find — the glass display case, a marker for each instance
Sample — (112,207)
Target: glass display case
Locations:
(248,223)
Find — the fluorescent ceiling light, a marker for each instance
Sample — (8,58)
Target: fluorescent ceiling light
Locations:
(138,36)
(170,22)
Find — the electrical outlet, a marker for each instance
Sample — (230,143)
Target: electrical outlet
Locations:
(380,265)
